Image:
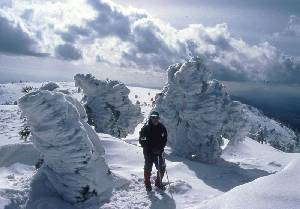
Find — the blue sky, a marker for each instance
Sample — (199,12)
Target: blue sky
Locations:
(239,40)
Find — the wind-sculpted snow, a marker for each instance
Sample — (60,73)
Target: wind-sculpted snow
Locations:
(198,112)
(280,190)
(73,155)
(108,106)
(192,107)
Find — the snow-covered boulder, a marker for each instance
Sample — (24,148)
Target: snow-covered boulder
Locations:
(50,86)
(193,109)
(198,112)
(108,106)
(73,155)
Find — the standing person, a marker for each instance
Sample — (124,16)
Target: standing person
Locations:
(153,139)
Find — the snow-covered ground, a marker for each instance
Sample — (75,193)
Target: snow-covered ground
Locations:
(249,174)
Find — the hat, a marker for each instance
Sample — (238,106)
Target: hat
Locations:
(154,114)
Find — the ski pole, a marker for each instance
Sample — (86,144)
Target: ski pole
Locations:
(167,177)
(159,171)
(163,155)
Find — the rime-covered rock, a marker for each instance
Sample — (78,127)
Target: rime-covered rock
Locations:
(198,112)
(73,155)
(192,107)
(50,86)
(108,106)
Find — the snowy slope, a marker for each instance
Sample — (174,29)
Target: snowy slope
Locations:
(244,169)
(198,111)
(10,124)
(280,190)
(251,154)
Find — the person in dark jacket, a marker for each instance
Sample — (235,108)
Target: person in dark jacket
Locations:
(153,139)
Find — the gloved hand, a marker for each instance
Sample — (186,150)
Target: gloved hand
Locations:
(143,141)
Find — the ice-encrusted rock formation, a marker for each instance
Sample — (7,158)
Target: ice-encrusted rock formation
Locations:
(108,106)
(50,86)
(198,112)
(73,155)
(192,108)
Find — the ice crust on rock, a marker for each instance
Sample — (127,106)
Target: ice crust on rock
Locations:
(192,108)
(50,86)
(198,112)
(108,106)
(73,155)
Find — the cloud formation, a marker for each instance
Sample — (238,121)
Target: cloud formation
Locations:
(293,27)
(68,52)
(102,31)
(14,39)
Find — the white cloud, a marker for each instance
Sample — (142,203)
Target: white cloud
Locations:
(101,31)
(293,27)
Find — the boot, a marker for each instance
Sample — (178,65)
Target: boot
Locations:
(147,182)
(158,181)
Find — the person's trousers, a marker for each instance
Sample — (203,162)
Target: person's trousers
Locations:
(153,158)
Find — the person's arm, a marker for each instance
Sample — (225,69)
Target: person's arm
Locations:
(142,137)
(165,137)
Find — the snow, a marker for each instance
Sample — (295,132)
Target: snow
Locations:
(58,132)
(192,107)
(145,97)
(193,184)
(280,190)
(251,154)
(15,184)
(11,92)
(10,124)
(3,203)
(24,153)
(198,113)
(108,106)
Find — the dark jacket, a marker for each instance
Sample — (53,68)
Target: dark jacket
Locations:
(153,137)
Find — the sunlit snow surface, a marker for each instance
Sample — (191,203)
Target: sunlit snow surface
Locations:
(193,184)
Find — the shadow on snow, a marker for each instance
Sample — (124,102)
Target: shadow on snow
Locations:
(223,175)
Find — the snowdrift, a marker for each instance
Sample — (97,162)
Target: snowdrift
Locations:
(280,190)
(24,153)
(198,112)
(108,106)
(72,153)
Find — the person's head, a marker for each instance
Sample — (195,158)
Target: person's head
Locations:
(154,118)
